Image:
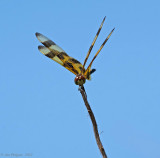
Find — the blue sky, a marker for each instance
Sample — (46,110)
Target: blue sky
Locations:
(41,110)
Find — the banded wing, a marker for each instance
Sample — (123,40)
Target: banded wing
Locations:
(44,50)
(89,67)
(54,52)
(95,38)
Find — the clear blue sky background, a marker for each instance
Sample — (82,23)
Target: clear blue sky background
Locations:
(41,109)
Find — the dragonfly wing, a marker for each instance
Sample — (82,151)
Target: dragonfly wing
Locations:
(53,51)
(48,43)
(88,70)
(44,50)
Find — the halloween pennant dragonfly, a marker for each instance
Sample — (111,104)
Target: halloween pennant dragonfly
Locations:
(54,52)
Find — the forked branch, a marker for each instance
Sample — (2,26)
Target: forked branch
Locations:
(95,128)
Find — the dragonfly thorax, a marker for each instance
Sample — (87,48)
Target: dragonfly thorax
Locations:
(80,79)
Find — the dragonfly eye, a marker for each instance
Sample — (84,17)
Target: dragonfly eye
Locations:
(79,80)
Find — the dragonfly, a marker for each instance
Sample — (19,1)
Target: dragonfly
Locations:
(56,53)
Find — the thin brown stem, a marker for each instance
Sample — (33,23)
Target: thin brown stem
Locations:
(95,128)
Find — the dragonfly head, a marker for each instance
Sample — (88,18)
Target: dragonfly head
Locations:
(80,79)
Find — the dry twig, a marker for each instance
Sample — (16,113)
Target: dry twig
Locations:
(95,128)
